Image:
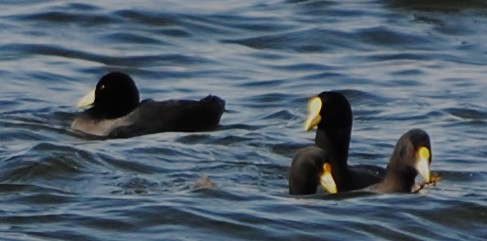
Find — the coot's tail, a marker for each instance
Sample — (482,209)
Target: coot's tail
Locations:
(215,100)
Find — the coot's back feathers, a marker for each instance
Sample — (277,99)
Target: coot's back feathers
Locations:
(172,115)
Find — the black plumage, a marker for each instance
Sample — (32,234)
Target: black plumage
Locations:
(411,156)
(331,112)
(116,111)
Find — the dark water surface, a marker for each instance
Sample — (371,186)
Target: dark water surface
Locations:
(403,64)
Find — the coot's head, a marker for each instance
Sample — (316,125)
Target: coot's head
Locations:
(115,95)
(412,155)
(330,110)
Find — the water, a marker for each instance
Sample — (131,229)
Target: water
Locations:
(403,64)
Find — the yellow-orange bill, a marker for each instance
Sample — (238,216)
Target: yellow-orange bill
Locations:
(87,100)
(423,164)
(314,117)
(326,179)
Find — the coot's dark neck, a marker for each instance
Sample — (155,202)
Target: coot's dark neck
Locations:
(400,179)
(336,143)
(110,112)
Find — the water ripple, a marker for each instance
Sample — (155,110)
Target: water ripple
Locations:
(402,64)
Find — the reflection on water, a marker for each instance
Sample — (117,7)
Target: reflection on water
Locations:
(403,64)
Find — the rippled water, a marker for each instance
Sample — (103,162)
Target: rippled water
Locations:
(402,63)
